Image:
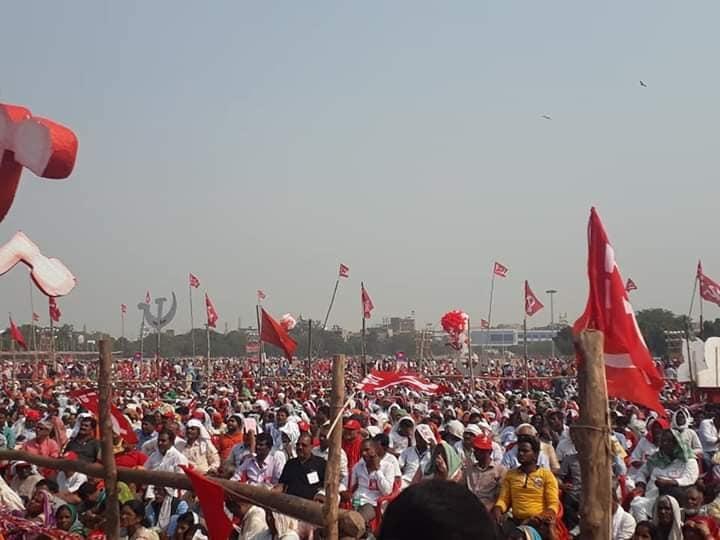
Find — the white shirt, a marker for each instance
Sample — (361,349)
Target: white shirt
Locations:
(70,483)
(411,461)
(370,486)
(623,525)
(344,473)
(253,525)
(268,473)
(390,465)
(708,434)
(684,473)
(169,462)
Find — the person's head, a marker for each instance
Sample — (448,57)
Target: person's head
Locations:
(88,491)
(382,442)
(192,433)
(423,437)
(656,430)
(405,427)
(431,509)
(304,447)
(233,424)
(694,500)
(482,448)
(184,523)
(263,444)
(555,421)
(667,443)
(351,429)
(47,484)
(646,530)
(132,514)
(148,425)
(664,511)
(282,416)
(42,430)
(165,440)
(323,437)
(65,516)
(23,470)
(322,415)
(700,528)
(369,451)
(87,428)
(528,449)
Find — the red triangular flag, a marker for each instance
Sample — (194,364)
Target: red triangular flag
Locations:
(272,332)
(194,281)
(367,303)
(532,304)
(630,285)
(344,271)
(54,310)
(212,315)
(630,370)
(500,269)
(212,501)
(16,335)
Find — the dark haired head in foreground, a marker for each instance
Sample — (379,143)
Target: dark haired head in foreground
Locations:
(437,509)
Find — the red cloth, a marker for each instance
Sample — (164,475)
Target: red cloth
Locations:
(131,459)
(272,332)
(353,451)
(17,336)
(630,370)
(212,315)
(212,502)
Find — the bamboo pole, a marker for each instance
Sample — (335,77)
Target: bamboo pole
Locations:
(332,471)
(112,510)
(350,523)
(332,301)
(591,435)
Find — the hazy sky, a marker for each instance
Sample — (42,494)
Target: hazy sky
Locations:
(258,145)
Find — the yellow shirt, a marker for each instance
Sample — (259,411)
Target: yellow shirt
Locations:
(529,494)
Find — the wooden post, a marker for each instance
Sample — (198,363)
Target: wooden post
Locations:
(112,510)
(332,471)
(591,435)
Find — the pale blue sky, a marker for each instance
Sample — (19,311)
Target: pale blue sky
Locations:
(258,145)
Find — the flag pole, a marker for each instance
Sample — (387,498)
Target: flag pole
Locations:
(527,383)
(260,341)
(52,341)
(332,301)
(688,329)
(207,368)
(309,351)
(192,321)
(489,324)
(470,360)
(142,340)
(363,350)
(32,317)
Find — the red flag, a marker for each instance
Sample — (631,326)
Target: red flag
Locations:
(212,315)
(54,310)
(500,270)
(532,304)
(630,285)
(630,370)
(123,308)
(212,501)
(16,335)
(35,317)
(272,332)
(194,281)
(261,295)
(484,324)
(381,380)
(367,303)
(709,289)
(344,271)
(147,298)
(120,424)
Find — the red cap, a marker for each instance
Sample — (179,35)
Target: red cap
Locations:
(32,415)
(482,442)
(352,424)
(303,426)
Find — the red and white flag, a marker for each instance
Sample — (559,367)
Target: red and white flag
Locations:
(16,335)
(344,271)
(54,310)
(123,308)
(484,324)
(709,289)
(629,368)
(500,270)
(194,281)
(273,332)
(90,400)
(212,316)
(367,303)
(532,304)
(261,295)
(147,298)
(382,380)
(630,285)
(35,317)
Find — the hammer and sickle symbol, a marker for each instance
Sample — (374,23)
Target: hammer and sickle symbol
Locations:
(162,319)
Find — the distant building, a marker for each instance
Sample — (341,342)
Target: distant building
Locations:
(510,337)
(400,325)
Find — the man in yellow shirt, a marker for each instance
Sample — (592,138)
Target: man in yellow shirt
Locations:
(529,491)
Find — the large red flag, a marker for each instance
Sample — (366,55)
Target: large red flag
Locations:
(629,368)
(212,315)
(54,310)
(272,332)
(120,424)
(709,289)
(16,335)
(367,303)
(532,304)
(212,502)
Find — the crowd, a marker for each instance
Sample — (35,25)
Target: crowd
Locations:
(503,454)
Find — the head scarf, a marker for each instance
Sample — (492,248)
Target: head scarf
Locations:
(676,529)
(452,459)
(688,420)
(204,435)
(681,452)
(76,527)
(400,441)
(530,532)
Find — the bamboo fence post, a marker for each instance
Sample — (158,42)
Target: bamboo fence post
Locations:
(332,472)
(112,511)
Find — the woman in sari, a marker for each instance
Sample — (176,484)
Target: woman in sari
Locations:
(66,519)
(445,464)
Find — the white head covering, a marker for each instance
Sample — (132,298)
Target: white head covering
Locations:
(204,435)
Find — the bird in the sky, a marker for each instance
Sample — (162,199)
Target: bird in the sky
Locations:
(546,117)
(642,83)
